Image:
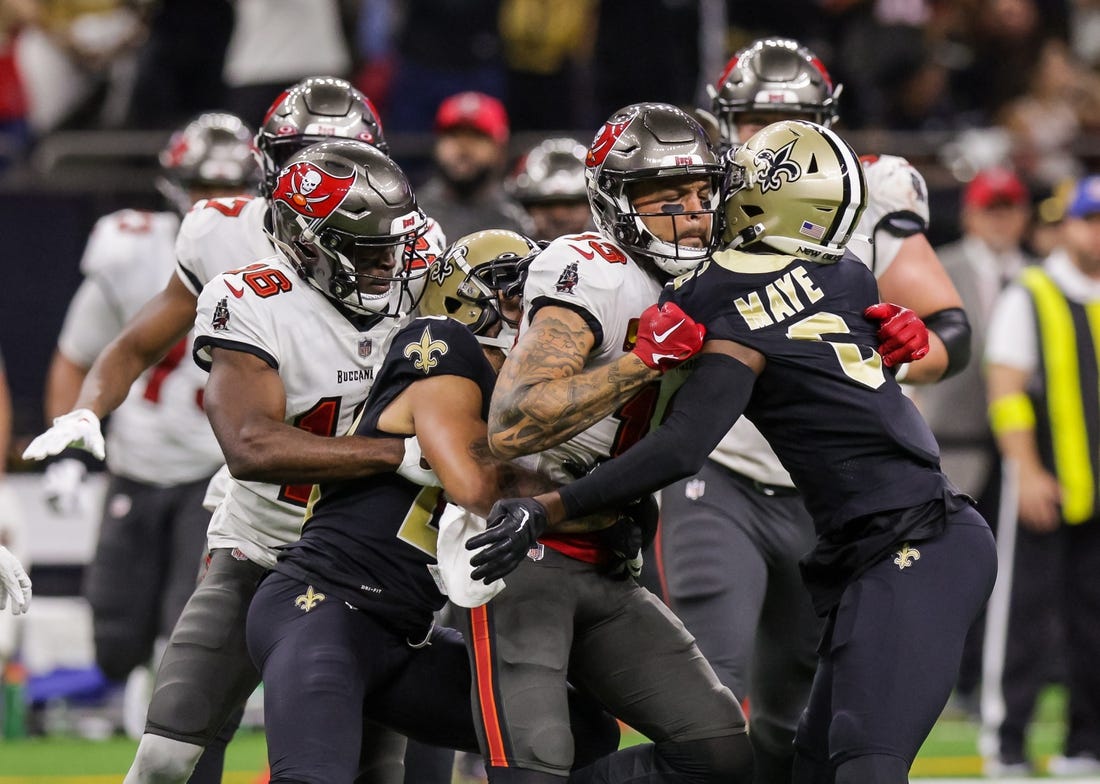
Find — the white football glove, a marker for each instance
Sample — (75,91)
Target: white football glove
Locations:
(414,468)
(79,428)
(61,485)
(13,582)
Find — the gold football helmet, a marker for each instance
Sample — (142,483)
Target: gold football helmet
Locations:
(797,188)
(464,283)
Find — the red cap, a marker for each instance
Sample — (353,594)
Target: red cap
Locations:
(477,111)
(996,187)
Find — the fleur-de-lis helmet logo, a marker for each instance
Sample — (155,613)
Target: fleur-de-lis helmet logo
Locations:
(772,166)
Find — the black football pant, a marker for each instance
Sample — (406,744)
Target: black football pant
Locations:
(891,655)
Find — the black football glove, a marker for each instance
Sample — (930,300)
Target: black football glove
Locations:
(629,537)
(515,524)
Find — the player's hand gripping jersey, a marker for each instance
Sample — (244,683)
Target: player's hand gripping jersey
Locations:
(897,206)
(372,542)
(159,435)
(327,363)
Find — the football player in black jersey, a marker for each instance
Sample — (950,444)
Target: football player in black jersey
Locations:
(342,629)
(902,561)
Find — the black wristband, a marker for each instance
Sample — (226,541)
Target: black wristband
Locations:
(953,328)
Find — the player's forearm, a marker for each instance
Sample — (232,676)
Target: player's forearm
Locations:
(930,368)
(281,454)
(529,418)
(108,381)
(63,383)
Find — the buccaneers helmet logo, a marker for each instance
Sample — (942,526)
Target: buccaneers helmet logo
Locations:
(605,140)
(773,165)
(312,191)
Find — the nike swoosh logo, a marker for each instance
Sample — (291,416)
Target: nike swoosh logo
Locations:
(587,254)
(659,357)
(658,337)
(523,522)
(238,293)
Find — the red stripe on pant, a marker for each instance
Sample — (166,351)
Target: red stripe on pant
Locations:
(486,694)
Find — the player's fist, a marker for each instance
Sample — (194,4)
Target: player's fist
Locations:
(631,534)
(667,336)
(79,428)
(515,524)
(902,335)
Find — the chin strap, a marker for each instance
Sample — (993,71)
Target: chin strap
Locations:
(747,235)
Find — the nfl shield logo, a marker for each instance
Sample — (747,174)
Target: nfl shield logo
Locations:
(366,345)
(694,489)
(537,552)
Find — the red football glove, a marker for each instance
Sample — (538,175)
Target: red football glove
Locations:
(667,336)
(903,336)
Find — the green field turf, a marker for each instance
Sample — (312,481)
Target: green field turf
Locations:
(951,751)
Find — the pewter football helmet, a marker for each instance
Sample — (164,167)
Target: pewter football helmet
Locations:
(214,150)
(313,110)
(797,188)
(644,142)
(552,170)
(344,214)
(776,75)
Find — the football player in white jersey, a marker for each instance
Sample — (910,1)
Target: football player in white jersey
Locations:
(161,451)
(292,342)
(653,187)
(731,536)
(218,235)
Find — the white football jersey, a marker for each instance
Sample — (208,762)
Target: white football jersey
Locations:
(218,235)
(595,277)
(327,366)
(159,435)
(898,196)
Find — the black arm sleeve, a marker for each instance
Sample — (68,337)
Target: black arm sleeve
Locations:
(701,413)
(953,328)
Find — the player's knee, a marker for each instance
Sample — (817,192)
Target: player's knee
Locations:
(181,708)
(723,760)
(873,769)
(552,747)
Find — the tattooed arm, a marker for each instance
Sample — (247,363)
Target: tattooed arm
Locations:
(543,394)
(444,412)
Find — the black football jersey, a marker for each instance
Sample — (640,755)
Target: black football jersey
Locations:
(836,418)
(372,541)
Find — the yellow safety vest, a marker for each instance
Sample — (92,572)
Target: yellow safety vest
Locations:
(1061,346)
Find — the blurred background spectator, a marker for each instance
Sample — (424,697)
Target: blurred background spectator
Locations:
(78,60)
(466,191)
